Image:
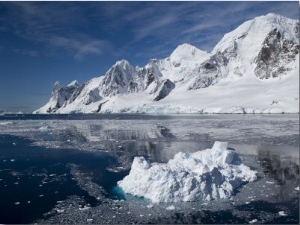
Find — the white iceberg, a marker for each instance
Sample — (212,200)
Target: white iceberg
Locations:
(204,175)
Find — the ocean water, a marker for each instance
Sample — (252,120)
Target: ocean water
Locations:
(64,168)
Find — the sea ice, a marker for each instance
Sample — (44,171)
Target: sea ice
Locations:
(282,213)
(6,123)
(44,128)
(171,207)
(204,175)
(253,221)
(60,210)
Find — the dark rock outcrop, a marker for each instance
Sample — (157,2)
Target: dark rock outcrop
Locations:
(163,89)
(276,52)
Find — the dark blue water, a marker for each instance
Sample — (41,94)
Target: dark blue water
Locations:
(33,178)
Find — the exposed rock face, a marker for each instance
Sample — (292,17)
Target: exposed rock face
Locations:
(63,95)
(92,96)
(117,79)
(163,89)
(122,78)
(275,55)
(209,72)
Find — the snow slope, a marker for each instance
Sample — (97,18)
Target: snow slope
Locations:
(204,175)
(253,69)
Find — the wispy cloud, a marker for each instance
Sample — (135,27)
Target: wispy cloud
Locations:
(80,47)
(28,52)
(54,25)
(152,28)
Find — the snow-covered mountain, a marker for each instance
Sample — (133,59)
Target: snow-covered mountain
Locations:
(253,69)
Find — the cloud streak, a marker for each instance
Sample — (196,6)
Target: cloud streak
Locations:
(28,52)
(42,22)
(80,47)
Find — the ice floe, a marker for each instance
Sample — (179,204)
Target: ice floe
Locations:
(171,207)
(204,175)
(253,221)
(282,213)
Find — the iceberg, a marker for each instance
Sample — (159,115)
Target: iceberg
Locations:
(210,174)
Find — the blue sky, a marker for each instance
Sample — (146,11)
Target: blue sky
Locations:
(44,42)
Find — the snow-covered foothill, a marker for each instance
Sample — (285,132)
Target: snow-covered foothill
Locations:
(204,175)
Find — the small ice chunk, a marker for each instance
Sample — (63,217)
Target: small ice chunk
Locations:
(14,144)
(297,188)
(89,220)
(149,206)
(253,221)
(17,203)
(270,182)
(84,208)
(28,202)
(12,160)
(44,128)
(60,210)
(171,207)
(282,213)
(41,196)
(6,123)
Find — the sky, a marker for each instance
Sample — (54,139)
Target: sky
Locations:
(45,42)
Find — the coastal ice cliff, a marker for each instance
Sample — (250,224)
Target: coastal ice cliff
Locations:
(204,175)
(253,69)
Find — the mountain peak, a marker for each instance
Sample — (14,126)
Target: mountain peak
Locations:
(255,31)
(187,52)
(273,17)
(122,63)
(73,83)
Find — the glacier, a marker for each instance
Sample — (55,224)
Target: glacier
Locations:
(204,175)
(253,69)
